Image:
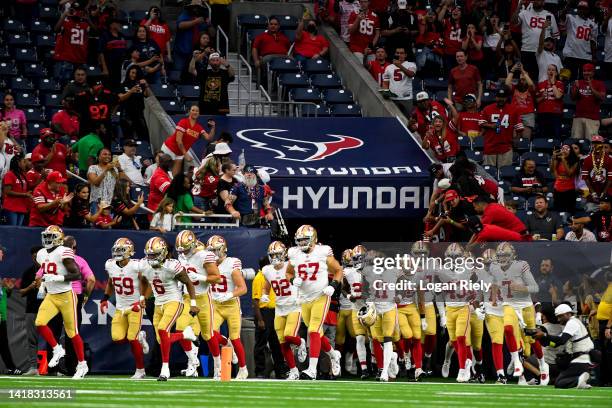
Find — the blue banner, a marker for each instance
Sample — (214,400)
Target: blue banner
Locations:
(334,167)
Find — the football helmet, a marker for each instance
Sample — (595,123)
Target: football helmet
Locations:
(347,258)
(505,254)
(359,254)
(185,242)
(123,248)
(454,250)
(305,237)
(488,256)
(277,253)
(419,249)
(156,251)
(52,236)
(367,315)
(217,245)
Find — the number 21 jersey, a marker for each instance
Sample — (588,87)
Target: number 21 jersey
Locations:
(312,269)
(125,282)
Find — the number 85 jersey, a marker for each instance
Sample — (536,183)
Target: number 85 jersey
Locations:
(125,281)
(312,269)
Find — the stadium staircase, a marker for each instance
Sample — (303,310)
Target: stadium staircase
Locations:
(244,89)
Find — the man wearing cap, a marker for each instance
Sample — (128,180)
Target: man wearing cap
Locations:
(88,147)
(601,219)
(500,120)
(581,41)
(50,201)
(546,54)
(130,163)
(596,171)
(54,152)
(589,93)
(578,344)
(456,215)
(247,200)
(425,111)
(214,82)
(468,123)
(464,79)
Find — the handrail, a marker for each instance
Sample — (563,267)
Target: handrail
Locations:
(220,33)
(205,4)
(176,221)
(265,93)
(241,61)
(287,107)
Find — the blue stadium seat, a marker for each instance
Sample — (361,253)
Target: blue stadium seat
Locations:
(189,92)
(522,145)
(289,81)
(505,186)
(123,16)
(18,41)
(543,145)
(163,91)
(567,100)
(309,111)
(93,72)
(474,155)
(464,142)
(531,203)
(51,101)
(34,115)
(283,65)
(287,21)
(251,34)
(508,172)
(27,100)
(492,170)
(34,127)
(541,159)
(136,16)
(290,35)
(34,70)
(45,41)
(326,81)
(13,26)
(568,114)
(350,110)
(522,215)
(332,96)
(174,77)
(478,143)
(318,66)
(143,149)
(172,107)
(417,85)
(49,2)
(305,95)
(48,85)
(520,201)
(439,96)
(433,85)
(20,84)
(128,31)
(585,145)
(47,13)
(5,55)
(249,21)
(488,97)
(40,27)
(7,69)
(25,55)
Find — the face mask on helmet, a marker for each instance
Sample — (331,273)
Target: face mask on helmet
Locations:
(48,239)
(276,258)
(154,260)
(120,252)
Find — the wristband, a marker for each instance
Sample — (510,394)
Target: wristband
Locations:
(105,297)
(193,303)
(141,298)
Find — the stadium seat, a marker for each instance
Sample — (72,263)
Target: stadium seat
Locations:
(487,98)
(48,85)
(45,41)
(123,16)
(290,35)
(318,66)
(520,201)
(18,41)
(287,22)
(51,101)
(585,145)
(309,111)
(34,115)
(305,95)
(5,55)
(40,27)
(163,91)
(189,92)
(541,159)
(326,81)
(331,96)
(283,65)
(172,107)
(543,145)
(417,85)
(492,170)
(34,70)
(13,26)
(522,145)
(249,21)
(52,3)
(27,100)
(49,14)
(289,81)
(93,72)
(143,149)
(548,176)
(473,155)
(522,215)
(531,203)
(439,96)
(174,77)
(478,143)
(136,16)
(508,172)
(127,31)
(251,34)
(25,55)
(505,186)
(351,110)
(20,84)
(464,142)
(433,85)
(34,128)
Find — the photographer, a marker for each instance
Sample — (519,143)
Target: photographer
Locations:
(199,60)
(72,43)
(574,368)
(401,28)
(131,99)
(159,32)
(192,22)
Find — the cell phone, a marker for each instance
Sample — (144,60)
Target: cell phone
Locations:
(549,18)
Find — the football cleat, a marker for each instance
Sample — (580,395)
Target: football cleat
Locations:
(139,374)
(123,248)
(156,251)
(480,377)
(365,375)
(188,334)
(501,379)
(294,374)
(142,339)
(58,353)
(445,369)
(277,253)
(384,376)
(522,381)
(81,370)
(510,368)
(349,364)
(217,374)
(393,366)
(191,371)
(462,376)
(418,372)
(544,374)
(378,374)
(164,374)
(52,236)
(308,375)
(583,381)
(468,368)
(302,352)
(518,370)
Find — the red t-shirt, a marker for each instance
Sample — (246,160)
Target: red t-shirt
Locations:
(563,182)
(586,104)
(497,214)
(598,178)
(469,121)
(308,46)
(464,81)
(69,123)
(550,104)
(377,70)
(160,33)
(523,101)
(103,220)
(507,120)
(15,204)
(208,186)
(41,196)
(72,41)
(58,160)
(452,37)
(191,134)
(432,40)
(493,233)
(160,181)
(33,178)
(473,54)
(363,37)
(424,119)
(267,43)
(443,148)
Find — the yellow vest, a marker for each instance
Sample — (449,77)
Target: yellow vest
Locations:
(257,288)
(604,310)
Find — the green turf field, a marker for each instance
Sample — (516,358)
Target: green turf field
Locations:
(110,392)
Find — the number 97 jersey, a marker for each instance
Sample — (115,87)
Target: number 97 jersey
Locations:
(125,282)
(312,269)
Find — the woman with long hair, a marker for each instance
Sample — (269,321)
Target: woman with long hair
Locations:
(550,103)
(16,197)
(564,167)
(102,178)
(80,215)
(441,137)
(151,61)
(122,205)
(199,60)
(205,181)
(18,128)
(159,31)
(491,31)
(180,192)
(508,54)
(472,45)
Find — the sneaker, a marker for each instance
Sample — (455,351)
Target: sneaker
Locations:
(191,371)
(58,353)
(518,370)
(384,376)
(243,373)
(583,381)
(445,369)
(294,374)
(463,376)
(142,339)
(335,357)
(302,353)
(164,374)
(365,374)
(544,374)
(308,375)
(193,357)
(418,373)
(33,371)
(393,366)
(533,381)
(350,364)
(522,381)
(139,374)
(188,334)
(81,370)
(481,378)
(501,379)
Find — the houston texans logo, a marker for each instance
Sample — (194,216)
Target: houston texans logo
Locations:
(294,149)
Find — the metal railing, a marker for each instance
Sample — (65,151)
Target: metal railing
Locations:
(265,93)
(242,61)
(281,108)
(221,33)
(178,222)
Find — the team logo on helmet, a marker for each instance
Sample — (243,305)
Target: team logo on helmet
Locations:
(306,237)
(185,242)
(277,253)
(156,251)
(217,245)
(359,255)
(505,254)
(123,248)
(52,236)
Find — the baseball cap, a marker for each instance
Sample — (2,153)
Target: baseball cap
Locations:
(469,96)
(222,148)
(38,157)
(46,132)
(597,139)
(249,169)
(588,68)
(583,4)
(104,204)
(562,309)
(502,93)
(434,167)
(402,4)
(422,96)
(214,55)
(56,177)
(450,195)
(129,142)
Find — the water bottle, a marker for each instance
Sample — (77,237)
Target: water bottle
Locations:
(241,159)
(498,126)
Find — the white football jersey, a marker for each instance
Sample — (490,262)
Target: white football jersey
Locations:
(400,83)
(455,294)
(194,264)
(518,273)
(382,295)
(355,281)
(486,277)
(312,269)
(6,155)
(125,282)
(52,263)
(285,292)
(532,23)
(226,285)
(608,42)
(580,33)
(163,280)
(426,276)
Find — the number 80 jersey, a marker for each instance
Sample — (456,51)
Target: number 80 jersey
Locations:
(312,269)
(125,282)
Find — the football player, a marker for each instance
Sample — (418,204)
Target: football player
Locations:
(514,279)
(353,286)
(344,323)
(202,269)
(288,313)
(163,275)
(226,299)
(477,317)
(123,278)
(309,263)
(58,269)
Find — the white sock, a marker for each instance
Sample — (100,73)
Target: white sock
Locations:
(515,358)
(387,353)
(448,353)
(362,353)
(165,366)
(217,361)
(542,362)
(312,366)
(500,372)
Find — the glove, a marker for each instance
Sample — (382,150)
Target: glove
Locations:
(521,321)
(136,306)
(53,278)
(480,313)
(443,320)
(297,281)
(103,306)
(329,291)
(225,297)
(264,299)
(423,323)
(538,319)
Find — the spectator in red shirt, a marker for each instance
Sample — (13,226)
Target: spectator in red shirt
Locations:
(159,31)
(489,232)
(472,44)
(452,31)
(550,103)
(160,181)
(71,43)
(441,137)
(268,45)
(564,167)
(308,43)
(523,95)
(378,65)
(36,174)
(497,214)
(597,172)
(50,201)
(464,79)
(431,41)
(16,197)
(66,121)
(364,29)
(55,153)
(589,94)
(468,122)
(424,113)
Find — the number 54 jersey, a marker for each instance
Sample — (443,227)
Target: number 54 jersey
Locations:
(312,269)
(125,282)
(162,280)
